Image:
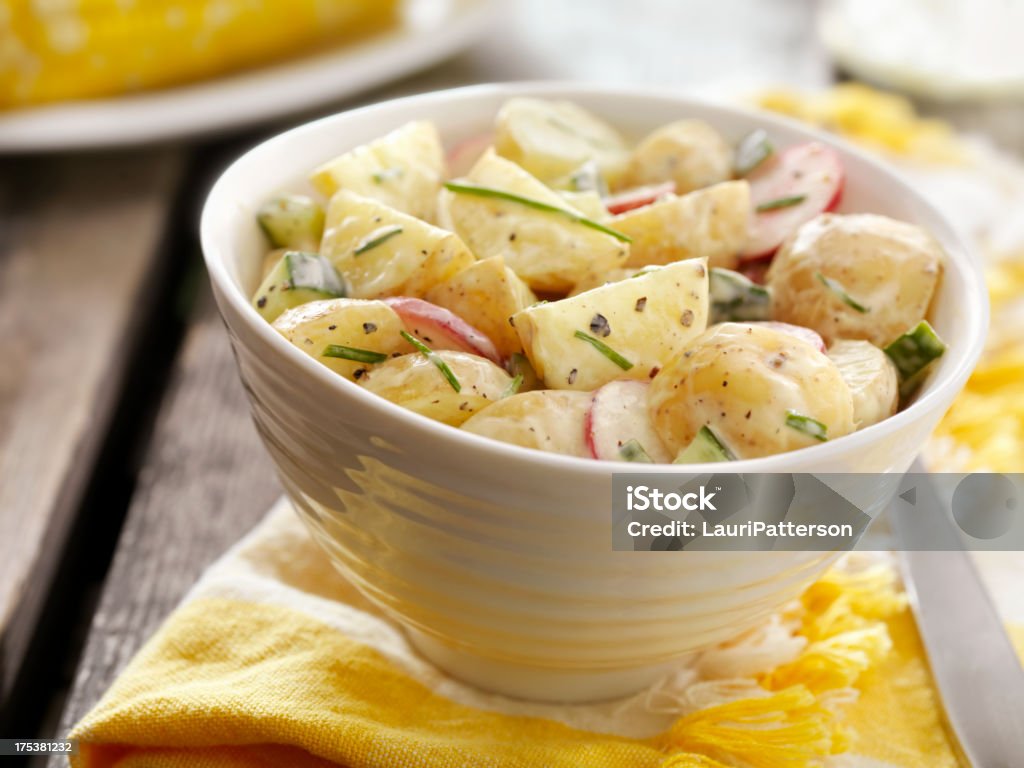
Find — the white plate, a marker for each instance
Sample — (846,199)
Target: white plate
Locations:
(948,51)
(429,30)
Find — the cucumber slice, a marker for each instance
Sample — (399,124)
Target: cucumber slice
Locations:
(736,298)
(705,448)
(292,221)
(912,353)
(631,450)
(296,279)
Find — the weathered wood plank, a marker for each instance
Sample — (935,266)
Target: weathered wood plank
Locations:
(206,480)
(79,242)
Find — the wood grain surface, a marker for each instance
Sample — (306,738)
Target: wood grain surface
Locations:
(79,242)
(206,478)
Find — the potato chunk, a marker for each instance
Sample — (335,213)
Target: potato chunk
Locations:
(855,276)
(403,170)
(689,152)
(645,320)
(872,379)
(709,222)
(486,294)
(370,326)
(414,382)
(383,252)
(547,250)
(756,388)
(550,139)
(546,420)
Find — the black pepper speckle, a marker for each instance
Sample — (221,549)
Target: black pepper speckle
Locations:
(572,376)
(599,326)
(641,303)
(261,302)
(368,327)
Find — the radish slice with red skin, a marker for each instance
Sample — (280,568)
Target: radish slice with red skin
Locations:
(464,155)
(617,415)
(638,197)
(811,170)
(811,337)
(440,328)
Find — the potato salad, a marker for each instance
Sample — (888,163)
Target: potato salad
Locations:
(685,297)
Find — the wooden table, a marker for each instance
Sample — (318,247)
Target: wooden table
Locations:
(127,458)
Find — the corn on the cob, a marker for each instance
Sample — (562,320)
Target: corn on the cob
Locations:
(53,50)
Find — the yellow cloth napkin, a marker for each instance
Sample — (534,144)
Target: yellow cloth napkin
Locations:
(274,660)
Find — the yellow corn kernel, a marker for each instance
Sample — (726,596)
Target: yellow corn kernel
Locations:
(52,50)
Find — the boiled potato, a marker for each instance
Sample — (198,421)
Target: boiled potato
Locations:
(486,294)
(587,203)
(403,170)
(646,321)
(415,382)
(689,152)
(871,377)
(369,326)
(709,222)
(546,420)
(855,276)
(548,250)
(755,387)
(383,252)
(551,139)
(597,279)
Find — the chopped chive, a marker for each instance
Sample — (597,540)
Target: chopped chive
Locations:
(632,450)
(353,353)
(753,150)
(435,358)
(513,387)
(735,297)
(780,202)
(807,425)
(912,351)
(837,288)
(387,174)
(383,237)
(605,350)
(704,448)
(500,194)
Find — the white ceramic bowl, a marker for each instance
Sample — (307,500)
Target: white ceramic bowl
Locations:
(495,558)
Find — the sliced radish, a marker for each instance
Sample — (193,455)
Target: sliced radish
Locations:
(440,328)
(810,171)
(617,415)
(638,197)
(811,337)
(755,270)
(464,155)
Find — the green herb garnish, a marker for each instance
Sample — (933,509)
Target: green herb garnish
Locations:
(705,448)
(780,202)
(354,354)
(500,194)
(631,450)
(914,350)
(383,237)
(435,358)
(753,150)
(837,288)
(605,350)
(736,297)
(513,387)
(807,425)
